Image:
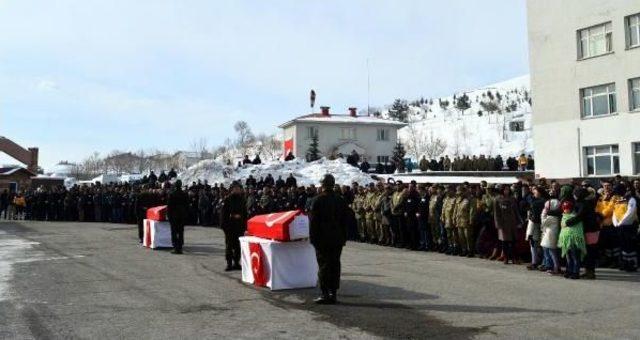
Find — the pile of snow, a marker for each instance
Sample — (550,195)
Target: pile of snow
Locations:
(469,133)
(306,173)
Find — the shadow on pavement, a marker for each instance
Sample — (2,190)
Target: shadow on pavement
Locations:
(368,311)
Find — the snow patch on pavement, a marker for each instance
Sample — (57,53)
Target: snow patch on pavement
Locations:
(13,250)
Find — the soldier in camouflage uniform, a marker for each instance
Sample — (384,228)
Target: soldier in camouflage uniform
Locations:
(435,211)
(358,207)
(369,205)
(386,236)
(464,214)
(377,209)
(448,209)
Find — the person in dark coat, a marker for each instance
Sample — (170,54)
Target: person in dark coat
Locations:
(507,221)
(177,210)
(329,217)
(233,221)
(289,157)
(291,181)
(257,160)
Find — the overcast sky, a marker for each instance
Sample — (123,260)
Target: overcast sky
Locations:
(78,76)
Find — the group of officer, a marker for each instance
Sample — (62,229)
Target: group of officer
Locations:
(418,217)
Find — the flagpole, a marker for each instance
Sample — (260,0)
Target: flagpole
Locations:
(368,89)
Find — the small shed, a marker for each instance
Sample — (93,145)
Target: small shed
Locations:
(15,179)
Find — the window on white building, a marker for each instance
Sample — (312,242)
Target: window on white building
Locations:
(598,100)
(633,30)
(312,131)
(383,134)
(594,41)
(636,158)
(602,160)
(348,133)
(383,159)
(634,94)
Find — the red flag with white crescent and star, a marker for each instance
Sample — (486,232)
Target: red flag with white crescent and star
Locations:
(312,98)
(257,264)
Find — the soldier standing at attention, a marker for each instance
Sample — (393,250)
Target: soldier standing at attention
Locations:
(328,234)
(177,210)
(448,208)
(234,223)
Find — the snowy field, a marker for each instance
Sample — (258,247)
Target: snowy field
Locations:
(306,173)
(468,132)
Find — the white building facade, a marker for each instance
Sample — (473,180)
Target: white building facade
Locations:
(585,84)
(372,138)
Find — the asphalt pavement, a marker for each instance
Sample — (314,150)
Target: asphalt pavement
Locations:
(93,281)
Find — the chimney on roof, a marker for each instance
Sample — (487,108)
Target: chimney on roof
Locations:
(352,112)
(324,110)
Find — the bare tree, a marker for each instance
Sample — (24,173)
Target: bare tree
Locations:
(245,136)
(434,147)
(199,146)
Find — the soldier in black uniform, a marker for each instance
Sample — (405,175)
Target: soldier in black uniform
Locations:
(177,210)
(233,221)
(329,217)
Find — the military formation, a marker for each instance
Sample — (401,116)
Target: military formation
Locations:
(511,223)
(477,163)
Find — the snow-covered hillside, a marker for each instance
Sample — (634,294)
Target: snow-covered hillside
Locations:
(497,122)
(306,173)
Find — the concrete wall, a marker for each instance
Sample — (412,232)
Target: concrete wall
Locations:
(330,136)
(557,77)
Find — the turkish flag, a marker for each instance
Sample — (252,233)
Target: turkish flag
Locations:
(257,264)
(147,234)
(312,97)
(288,146)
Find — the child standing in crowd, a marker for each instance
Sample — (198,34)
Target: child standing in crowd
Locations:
(571,241)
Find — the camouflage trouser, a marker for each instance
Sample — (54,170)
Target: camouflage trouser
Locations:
(435,232)
(466,238)
(372,234)
(362,231)
(452,237)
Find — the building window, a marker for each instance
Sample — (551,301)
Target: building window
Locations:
(516,126)
(383,159)
(633,30)
(312,131)
(383,134)
(594,41)
(602,160)
(598,100)
(636,158)
(634,94)
(348,133)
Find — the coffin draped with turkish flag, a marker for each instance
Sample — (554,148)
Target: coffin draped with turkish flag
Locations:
(156,229)
(276,252)
(283,226)
(158,213)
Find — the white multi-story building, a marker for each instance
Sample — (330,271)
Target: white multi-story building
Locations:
(372,138)
(585,85)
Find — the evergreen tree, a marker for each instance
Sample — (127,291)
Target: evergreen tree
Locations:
(398,156)
(313,153)
(479,113)
(462,103)
(399,110)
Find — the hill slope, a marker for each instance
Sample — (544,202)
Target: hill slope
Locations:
(496,122)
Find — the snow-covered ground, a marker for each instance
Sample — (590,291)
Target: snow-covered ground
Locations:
(306,173)
(471,132)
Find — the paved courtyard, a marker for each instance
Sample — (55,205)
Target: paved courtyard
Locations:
(91,280)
